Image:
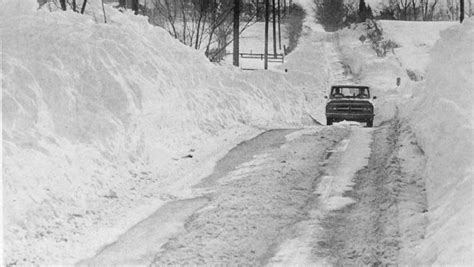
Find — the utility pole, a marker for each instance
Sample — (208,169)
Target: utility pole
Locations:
(279,24)
(267,17)
(461,7)
(274,30)
(236,32)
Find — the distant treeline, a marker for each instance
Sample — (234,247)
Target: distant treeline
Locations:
(335,14)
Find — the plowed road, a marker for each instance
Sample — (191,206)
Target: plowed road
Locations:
(264,204)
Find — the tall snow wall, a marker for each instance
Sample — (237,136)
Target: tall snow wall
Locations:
(443,120)
(439,110)
(87,105)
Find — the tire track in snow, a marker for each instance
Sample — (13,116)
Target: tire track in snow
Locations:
(254,205)
(386,220)
(243,211)
(340,167)
(340,73)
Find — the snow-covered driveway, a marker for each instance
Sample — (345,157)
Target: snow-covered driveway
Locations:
(262,204)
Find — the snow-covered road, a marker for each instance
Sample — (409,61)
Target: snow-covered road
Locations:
(262,205)
(106,152)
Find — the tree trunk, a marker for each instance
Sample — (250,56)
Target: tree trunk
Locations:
(185,23)
(267,18)
(257,9)
(432,9)
(274,30)
(461,11)
(415,13)
(202,29)
(63,4)
(83,6)
(198,30)
(236,32)
(103,10)
(470,8)
(171,15)
(211,35)
(362,10)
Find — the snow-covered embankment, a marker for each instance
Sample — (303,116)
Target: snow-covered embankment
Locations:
(434,104)
(101,120)
(443,120)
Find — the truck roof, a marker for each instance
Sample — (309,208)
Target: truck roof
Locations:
(350,86)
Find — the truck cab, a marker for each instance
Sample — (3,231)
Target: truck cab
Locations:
(350,103)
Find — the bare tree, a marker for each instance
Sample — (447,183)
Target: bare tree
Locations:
(201,24)
(409,9)
(452,9)
(83,8)
(427,8)
(415,9)
(103,10)
(331,13)
(470,7)
(457,9)
(402,8)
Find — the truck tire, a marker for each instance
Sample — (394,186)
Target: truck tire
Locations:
(370,123)
(328,121)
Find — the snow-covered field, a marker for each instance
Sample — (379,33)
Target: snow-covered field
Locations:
(252,41)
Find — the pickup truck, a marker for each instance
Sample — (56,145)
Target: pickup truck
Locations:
(350,103)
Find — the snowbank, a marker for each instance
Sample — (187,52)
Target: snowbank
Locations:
(443,121)
(102,119)
(407,62)
(438,109)
(415,42)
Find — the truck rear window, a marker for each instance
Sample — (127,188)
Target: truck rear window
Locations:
(350,92)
